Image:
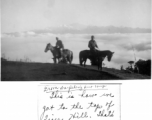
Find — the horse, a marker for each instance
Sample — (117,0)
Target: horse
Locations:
(83,56)
(66,54)
(101,56)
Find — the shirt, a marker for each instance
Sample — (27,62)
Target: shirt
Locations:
(59,44)
(92,44)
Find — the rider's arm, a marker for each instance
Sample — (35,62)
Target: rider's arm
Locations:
(62,45)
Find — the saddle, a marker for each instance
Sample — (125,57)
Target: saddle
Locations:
(60,52)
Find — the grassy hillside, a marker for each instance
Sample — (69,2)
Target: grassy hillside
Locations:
(18,71)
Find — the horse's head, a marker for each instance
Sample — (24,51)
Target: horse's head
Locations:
(48,47)
(109,56)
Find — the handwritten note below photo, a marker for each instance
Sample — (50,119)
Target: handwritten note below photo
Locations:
(79,102)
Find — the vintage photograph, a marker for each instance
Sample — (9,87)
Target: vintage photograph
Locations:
(68,40)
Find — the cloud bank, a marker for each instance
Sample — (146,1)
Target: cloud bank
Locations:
(143,46)
(80,29)
(92,30)
(32,44)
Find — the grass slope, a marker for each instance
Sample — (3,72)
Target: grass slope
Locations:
(17,71)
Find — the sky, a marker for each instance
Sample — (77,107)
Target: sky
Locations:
(24,15)
(118,25)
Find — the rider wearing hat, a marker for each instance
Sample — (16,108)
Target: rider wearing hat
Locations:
(59,45)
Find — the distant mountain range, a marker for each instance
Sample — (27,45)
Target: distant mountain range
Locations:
(92,30)
(80,29)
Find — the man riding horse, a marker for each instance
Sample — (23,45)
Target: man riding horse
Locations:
(94,54)
(93,45)
(59,53)
(60,46)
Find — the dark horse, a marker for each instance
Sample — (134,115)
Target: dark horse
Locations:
(83,56)
(100,55)
(66,54)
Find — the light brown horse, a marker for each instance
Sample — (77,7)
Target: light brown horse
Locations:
(66,54)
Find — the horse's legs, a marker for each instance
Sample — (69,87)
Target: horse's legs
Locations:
(54,59)
(85,62)
(58,60)
(101,66)
(69,59)
(98,65)
(81,61)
